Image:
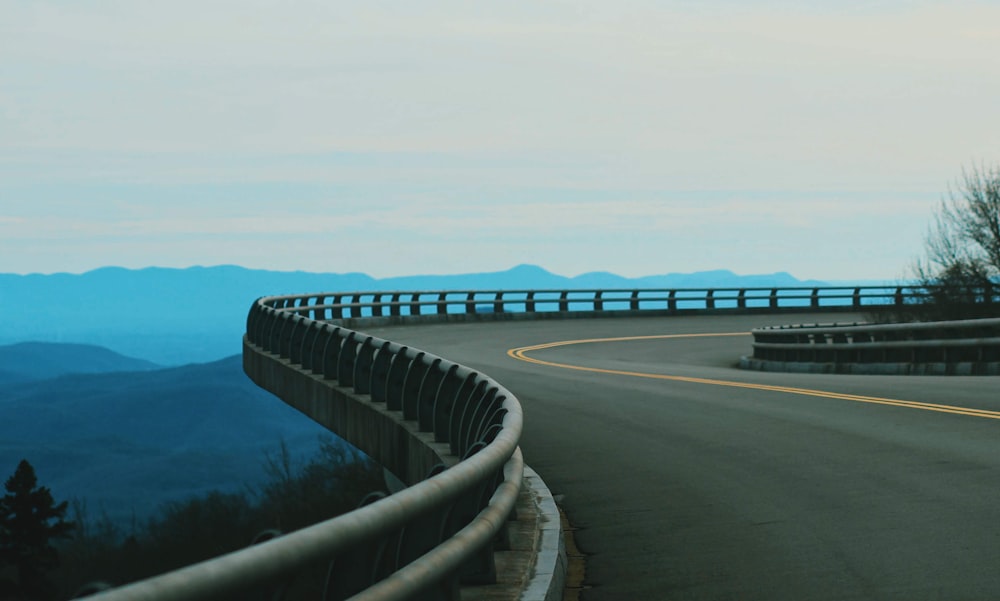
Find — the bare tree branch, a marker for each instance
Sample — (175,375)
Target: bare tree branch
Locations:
(962,247)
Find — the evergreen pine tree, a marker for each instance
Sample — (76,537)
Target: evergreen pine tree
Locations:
(29,522)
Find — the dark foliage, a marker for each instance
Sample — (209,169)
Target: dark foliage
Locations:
(30,521)
(183,533)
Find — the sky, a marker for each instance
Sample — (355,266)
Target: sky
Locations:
(400,138)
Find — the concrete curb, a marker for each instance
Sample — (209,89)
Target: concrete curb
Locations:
(548,577)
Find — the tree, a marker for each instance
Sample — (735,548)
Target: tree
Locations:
(963,249)
(296,494)
(29,522)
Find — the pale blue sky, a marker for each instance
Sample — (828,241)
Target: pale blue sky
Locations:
(399,138)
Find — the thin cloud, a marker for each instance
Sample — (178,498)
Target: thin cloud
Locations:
(643,127)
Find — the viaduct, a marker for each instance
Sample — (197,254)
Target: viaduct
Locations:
(681,475)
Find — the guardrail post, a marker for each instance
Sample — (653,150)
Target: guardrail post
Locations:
(338,312)
(348,356)
(309,346)
(474,415)
(363,366)
(266,324)
(297,340)
(456,428)
(490,422)
(253,319)
(331,354)
(381,361)
(398,368)
(319,311)
(285,334)
(449,417)
(426,396)
(444,400)
(411,386)
(312,351)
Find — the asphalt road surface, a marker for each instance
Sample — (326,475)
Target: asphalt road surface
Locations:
(691,479)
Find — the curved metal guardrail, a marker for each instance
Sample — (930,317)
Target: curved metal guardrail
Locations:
(405,306)
(944,347)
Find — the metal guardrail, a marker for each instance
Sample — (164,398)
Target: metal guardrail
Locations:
(974,342)
(408,304)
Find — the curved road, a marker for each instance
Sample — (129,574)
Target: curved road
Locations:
(691,479)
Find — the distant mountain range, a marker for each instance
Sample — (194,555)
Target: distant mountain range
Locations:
(125,442)
(30,361)
(178,316)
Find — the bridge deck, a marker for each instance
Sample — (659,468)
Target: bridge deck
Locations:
(691,479)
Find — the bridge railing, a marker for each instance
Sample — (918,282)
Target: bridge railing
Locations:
(975,342)
(403,304)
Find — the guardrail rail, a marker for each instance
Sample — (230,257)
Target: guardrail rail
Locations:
(945,347)
(413,306)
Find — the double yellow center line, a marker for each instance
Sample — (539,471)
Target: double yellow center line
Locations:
(521,354)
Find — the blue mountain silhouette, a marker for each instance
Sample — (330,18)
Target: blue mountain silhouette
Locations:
(26,361)
(178,316)
(126,442)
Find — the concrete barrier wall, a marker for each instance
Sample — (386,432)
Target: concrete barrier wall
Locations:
(378,432)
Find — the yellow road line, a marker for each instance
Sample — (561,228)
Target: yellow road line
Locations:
(521,354)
